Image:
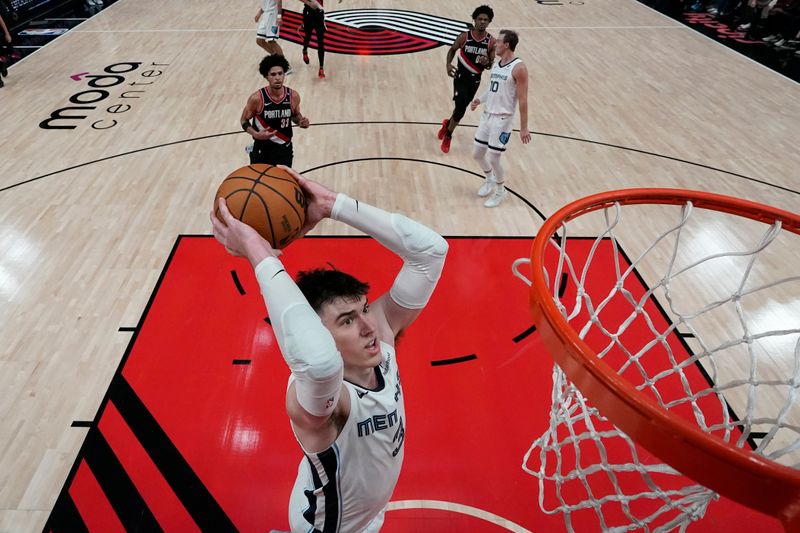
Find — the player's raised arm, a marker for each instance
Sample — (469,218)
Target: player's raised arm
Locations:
(306,344)
(423,252)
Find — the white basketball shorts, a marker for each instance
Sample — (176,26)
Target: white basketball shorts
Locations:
(268,26)
(494,131)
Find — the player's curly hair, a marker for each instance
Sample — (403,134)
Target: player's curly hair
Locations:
(323,285)
(483,10)
(273,60)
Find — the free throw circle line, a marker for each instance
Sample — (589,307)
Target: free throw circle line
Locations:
(457,508)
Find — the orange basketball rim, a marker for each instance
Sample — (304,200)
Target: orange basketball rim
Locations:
(738,474)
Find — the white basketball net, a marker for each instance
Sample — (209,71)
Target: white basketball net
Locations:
(587,467)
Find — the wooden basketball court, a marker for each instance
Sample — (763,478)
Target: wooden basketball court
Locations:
(93,199)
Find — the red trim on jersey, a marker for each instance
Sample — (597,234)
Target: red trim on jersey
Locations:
(469,65)
(479,40)
(278,134)
(278,101)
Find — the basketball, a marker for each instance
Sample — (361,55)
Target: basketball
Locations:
(267,198)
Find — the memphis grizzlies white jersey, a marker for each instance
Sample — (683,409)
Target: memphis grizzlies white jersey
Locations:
(502,98)
(269,6)
(345,487)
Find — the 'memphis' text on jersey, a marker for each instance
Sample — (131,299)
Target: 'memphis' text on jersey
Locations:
(385,421)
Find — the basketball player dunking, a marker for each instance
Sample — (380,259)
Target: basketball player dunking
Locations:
(269,114)
(344,397)
(508,85)
(475,50)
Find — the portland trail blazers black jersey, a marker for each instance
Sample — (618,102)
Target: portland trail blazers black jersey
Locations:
(276,115)
(469,53)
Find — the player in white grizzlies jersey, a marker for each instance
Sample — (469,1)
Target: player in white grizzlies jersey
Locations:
(508,87)
(344,397)
(269,18)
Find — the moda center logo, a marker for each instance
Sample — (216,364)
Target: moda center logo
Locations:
(377,31)
(115,91)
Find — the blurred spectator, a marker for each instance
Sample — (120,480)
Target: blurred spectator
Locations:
(755,13)
(783,24)
(775,22)
(723,8)
(6,55)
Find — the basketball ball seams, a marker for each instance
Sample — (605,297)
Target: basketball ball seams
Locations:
(250,179)
(265,205)
(247,200)
(268,209)
(231,193)
(266,172)
(279,176)
(279,193)
(227,197)
(291,202)
(245,178)
(260,172)
(268,218)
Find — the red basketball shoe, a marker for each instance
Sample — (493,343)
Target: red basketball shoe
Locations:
(322,73)
(443,129)
(446,144)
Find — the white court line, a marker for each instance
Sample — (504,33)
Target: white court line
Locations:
(176,30)
(74,18)
(594,27)
(457,508)
(65,33)
(729,49)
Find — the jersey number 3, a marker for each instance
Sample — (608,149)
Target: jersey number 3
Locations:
(399,437)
